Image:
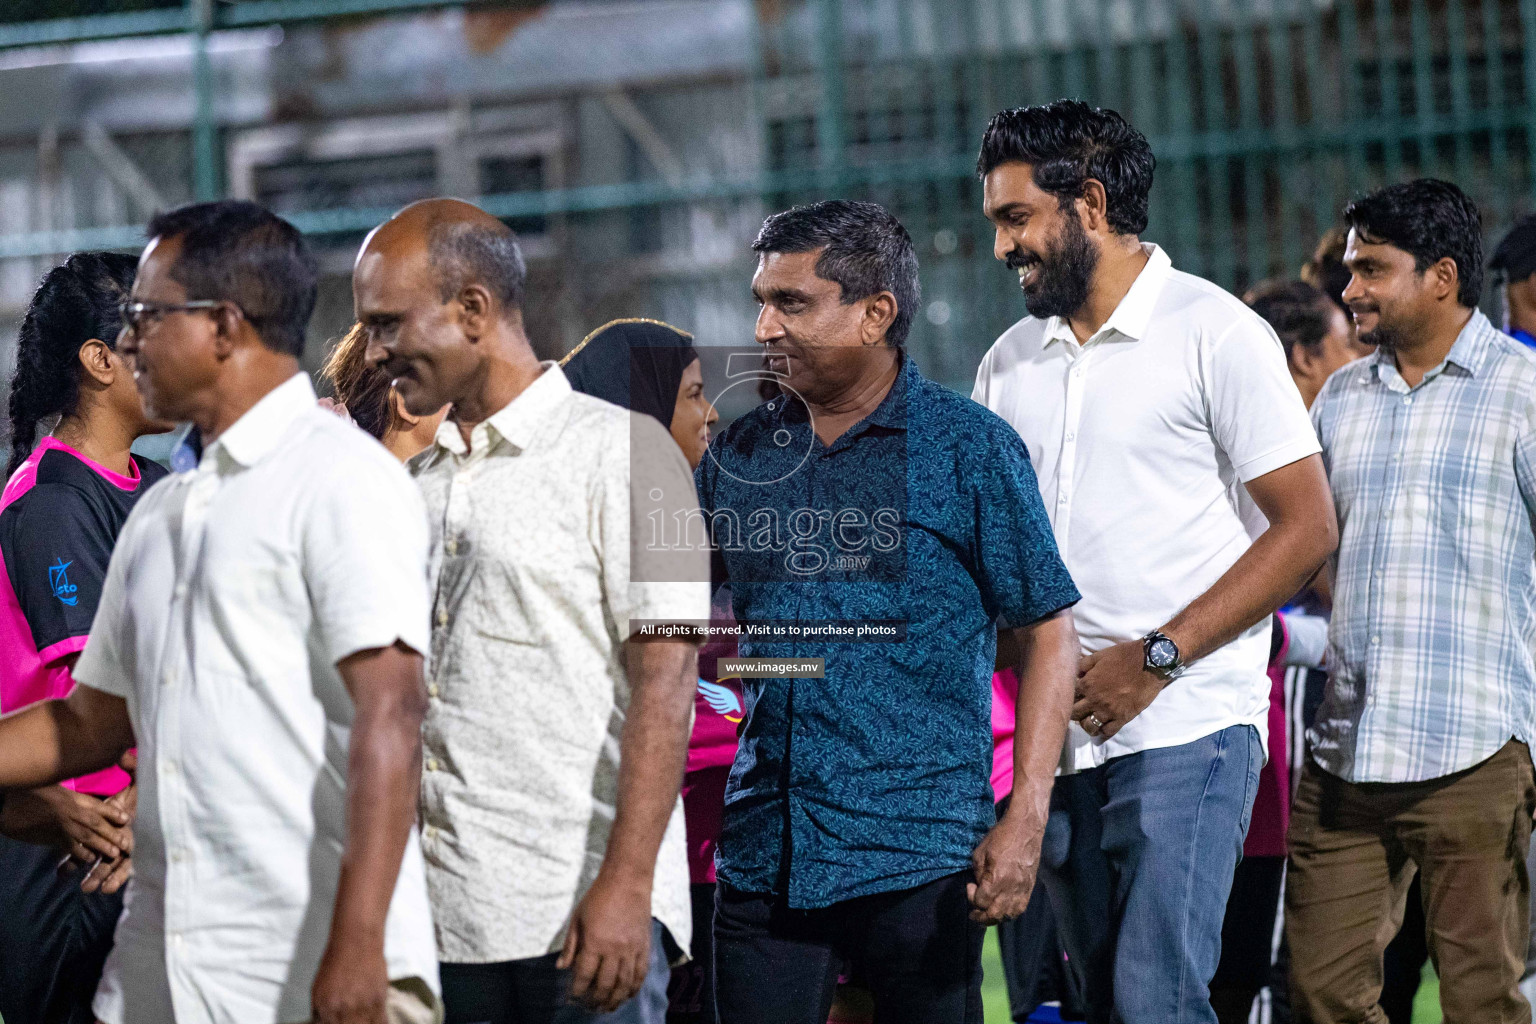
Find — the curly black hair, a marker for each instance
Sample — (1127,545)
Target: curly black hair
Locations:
(1067,143)
(76,302)
(1429,219)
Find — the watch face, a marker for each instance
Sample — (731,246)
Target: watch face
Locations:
(1163,653)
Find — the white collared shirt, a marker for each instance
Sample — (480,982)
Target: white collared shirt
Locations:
(1140,438)
(535,584)
(233,592)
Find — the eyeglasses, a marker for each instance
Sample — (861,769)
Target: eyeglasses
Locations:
(137,315)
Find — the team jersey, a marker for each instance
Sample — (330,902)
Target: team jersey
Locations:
(59,518)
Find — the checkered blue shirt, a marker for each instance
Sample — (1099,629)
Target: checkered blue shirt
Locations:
(1434,606)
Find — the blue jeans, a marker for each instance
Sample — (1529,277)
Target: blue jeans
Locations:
(1138,860)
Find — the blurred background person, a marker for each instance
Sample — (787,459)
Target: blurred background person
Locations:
(59,519)
(367,396)
(1325,271)
(1514,271)
(1317,333)
(1318,338)
(1034,965)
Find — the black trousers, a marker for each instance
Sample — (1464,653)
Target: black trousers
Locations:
(917,950)
(53,938)
(691,993)
(1247,937)
(1033,964)
(535,991)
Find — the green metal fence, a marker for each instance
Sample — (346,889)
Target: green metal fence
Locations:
(1266,116)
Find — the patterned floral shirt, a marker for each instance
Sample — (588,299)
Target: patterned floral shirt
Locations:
(926,514)
(537,569)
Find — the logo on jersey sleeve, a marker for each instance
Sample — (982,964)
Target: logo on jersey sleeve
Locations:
(58,582)
(722,700)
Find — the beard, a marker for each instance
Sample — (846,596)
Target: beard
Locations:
(1066,272)
(1386,336)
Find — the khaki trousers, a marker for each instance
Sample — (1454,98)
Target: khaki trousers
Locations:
(1354,848)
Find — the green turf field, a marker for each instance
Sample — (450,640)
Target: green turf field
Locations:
(1426,1008)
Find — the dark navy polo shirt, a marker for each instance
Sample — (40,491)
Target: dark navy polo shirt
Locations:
(876,777)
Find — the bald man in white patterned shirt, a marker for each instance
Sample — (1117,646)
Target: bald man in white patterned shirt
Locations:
(555,740)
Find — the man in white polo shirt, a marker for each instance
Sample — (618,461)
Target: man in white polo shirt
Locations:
(259,637)
(1160,419)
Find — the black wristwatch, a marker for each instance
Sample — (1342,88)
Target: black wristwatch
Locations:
(1160,656)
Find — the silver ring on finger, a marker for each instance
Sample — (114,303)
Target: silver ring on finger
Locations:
(1093,720)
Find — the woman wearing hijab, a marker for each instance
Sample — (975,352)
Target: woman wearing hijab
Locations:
(651,367)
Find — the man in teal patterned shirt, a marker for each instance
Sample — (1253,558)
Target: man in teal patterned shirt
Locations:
(859,819)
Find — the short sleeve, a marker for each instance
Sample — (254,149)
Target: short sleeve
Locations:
(653,538)
(56,554)
(1019,568)
(1257,415)
(101,665)
(364,556)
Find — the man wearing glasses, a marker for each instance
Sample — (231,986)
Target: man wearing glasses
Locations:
(258,638)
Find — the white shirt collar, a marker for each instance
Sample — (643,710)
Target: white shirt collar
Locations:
(519,420)
(1131,316)
(251,437)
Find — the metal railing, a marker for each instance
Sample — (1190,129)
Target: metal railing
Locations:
(1266,117)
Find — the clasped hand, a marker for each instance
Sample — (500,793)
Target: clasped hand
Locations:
(1113,687)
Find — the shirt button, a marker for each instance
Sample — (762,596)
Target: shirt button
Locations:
(430,832)
(178,855)
(432,690)
(180,591)
(442,617)
(1375,641)
(170,767)
(1407,400)
(431,764)
(452,546)
(1395,457)
(176,939)
(1071,436)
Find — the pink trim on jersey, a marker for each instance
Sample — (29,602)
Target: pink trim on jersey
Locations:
(1271,815)
(1005,698)
(116,479)
(28,675)
(63,649)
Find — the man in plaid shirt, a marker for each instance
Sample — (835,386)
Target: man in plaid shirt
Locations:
(1420,758)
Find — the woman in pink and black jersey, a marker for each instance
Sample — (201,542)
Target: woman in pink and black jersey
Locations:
(60,515)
